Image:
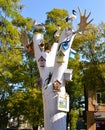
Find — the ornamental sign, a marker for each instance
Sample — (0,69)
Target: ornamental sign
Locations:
(63,102)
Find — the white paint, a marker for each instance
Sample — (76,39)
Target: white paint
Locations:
(53,119)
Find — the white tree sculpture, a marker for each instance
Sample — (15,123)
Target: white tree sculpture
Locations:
(53,72)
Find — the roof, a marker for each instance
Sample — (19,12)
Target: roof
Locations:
(41,58)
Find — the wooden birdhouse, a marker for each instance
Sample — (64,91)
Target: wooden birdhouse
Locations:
(56,86)
(60,57)
(68,74)
(42,61)
(30,49)
(42,46)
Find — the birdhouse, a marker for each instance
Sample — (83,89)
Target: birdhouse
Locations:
(60,57)
(41,46)
(56,86)
(30,49)
(42,61)
(68,74)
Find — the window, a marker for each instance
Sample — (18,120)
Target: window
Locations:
(100,97)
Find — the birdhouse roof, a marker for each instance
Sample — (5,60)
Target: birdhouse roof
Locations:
(41,59)
(60,53)
(68,71)
(58,82)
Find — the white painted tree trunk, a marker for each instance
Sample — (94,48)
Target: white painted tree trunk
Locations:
(54,119)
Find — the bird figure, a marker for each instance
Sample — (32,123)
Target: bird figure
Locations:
(27,46)
(24,40)
(57,32)
(71,17)
(38,26)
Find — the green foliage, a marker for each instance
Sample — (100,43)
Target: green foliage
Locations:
(75,87)
(33,107)
(74,118)
(16,69)
(28,104)
(87,36)
(93,66)
(94,75)
(54,18)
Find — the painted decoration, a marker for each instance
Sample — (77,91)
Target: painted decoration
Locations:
(60,57)
(56,86)
(41,46)
(63,102)
(65,45)
(42,61)
(68,74)
(39,82)
(30,49)
(47,80)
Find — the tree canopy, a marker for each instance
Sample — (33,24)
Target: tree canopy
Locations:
(17,69)
(19,94)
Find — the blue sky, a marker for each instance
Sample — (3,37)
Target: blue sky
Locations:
(37,9)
